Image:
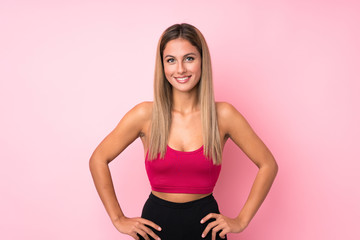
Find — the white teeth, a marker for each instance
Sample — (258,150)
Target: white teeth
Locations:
(182,78)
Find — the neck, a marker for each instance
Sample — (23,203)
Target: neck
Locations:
(185,102)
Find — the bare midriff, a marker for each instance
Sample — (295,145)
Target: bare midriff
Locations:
(179,197)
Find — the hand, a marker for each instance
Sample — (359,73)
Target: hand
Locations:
(223,224)
(134,226)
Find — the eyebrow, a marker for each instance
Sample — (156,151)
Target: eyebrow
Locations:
(184,55)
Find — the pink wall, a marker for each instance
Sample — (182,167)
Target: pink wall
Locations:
(69,70)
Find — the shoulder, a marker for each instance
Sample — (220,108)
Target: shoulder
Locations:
(139,114)
(141,110)
(225,110)
(228,116)
(136,118)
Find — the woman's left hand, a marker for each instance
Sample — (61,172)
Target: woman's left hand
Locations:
(223,224)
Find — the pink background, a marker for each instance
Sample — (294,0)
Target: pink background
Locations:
(69,70)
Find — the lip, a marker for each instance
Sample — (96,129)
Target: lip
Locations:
(182,79)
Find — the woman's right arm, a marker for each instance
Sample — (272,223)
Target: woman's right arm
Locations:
(128,129)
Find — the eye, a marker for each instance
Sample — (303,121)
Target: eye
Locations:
(170,60)
(189,59)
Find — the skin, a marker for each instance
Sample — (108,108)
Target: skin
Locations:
(182,59)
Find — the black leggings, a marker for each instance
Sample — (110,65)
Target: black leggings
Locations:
(180,221)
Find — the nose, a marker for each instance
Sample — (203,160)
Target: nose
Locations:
(181,68)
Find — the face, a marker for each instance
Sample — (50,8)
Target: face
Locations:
(182,65)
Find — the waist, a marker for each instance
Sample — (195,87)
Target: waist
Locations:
(180,200)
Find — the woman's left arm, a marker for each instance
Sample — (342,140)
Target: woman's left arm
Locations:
(234,125)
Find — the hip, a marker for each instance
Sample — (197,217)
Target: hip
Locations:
(180,220)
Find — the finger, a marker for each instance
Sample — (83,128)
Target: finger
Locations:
(150,223)
(209,216)
(222,235)
(149,232)
(209,227)
(224,231)
(142,233)
(218,229)
(135,236)
(215,231)
(213,234)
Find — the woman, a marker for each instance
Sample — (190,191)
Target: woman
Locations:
(183,132)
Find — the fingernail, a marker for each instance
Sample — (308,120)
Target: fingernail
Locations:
(159,229)
(202,235)
(201,221)
(158,238)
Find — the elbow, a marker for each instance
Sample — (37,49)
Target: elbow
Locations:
(94,162)
(274,167)
(271,167)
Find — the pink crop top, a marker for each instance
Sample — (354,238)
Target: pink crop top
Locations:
(182,172)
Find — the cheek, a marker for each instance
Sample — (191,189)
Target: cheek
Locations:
(167,70)
(197,68)
(168,73)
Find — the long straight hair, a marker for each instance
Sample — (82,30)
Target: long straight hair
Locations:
(162,106)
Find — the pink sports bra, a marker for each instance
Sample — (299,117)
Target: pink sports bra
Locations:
(182,172)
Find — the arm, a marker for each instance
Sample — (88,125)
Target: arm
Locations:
(128,129)
(237,128)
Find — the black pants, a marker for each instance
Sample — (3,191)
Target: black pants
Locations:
(180,221)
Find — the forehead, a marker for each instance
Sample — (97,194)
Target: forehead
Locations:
(179,47)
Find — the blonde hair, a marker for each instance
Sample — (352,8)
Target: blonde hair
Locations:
(162,106)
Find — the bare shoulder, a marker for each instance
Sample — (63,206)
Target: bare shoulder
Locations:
(228,116)
(137,118)
(226,111)
(142,110)
(225,108)
(127,130)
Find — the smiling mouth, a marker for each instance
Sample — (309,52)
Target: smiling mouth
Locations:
(182,79)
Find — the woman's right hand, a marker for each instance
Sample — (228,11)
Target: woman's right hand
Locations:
(134,226)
